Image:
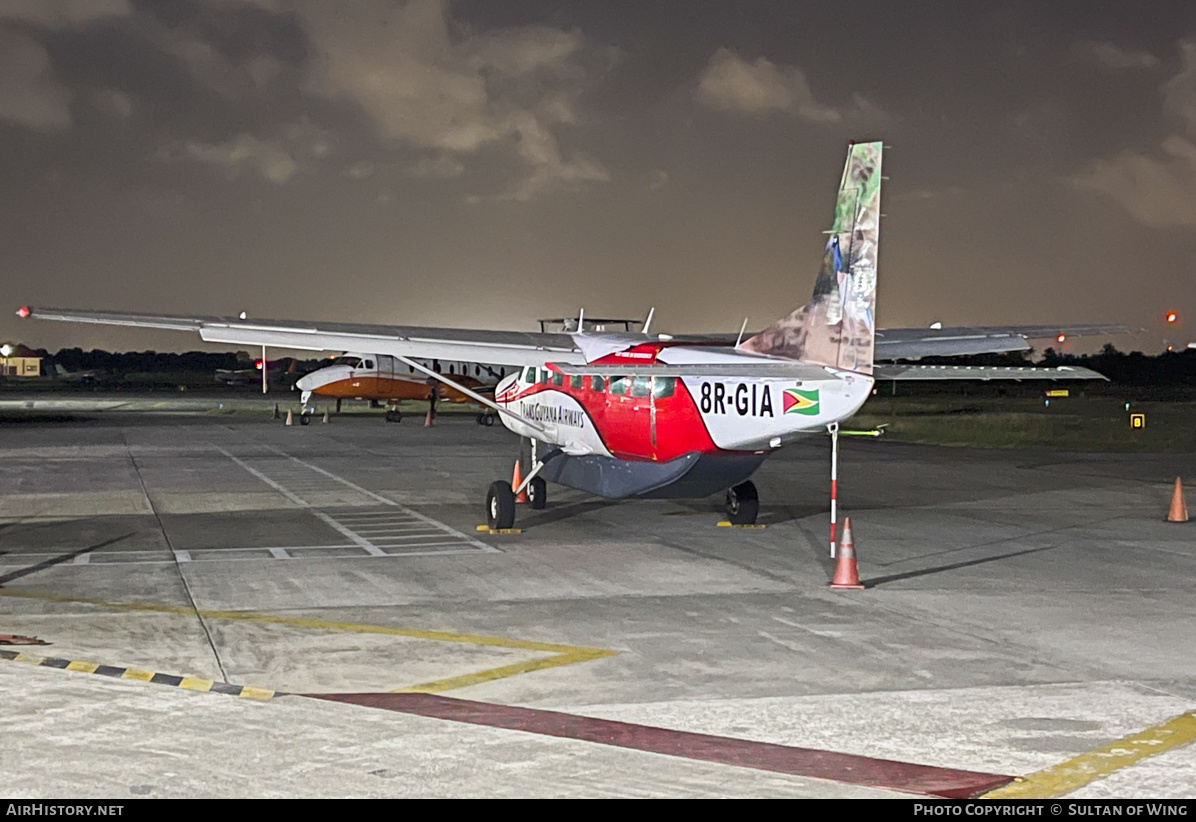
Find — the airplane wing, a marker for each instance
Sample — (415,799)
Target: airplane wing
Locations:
(913,343)
(755,367)
(511,348)
(521,348)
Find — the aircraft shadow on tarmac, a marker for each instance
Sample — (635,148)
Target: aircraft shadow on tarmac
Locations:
(58,560)
(564,512)
(876,581)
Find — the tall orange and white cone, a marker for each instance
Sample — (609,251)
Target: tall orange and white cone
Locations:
(1179,511)
(290,417)
(516,481)
(846,574)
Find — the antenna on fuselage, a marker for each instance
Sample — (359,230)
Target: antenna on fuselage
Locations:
(581,321)
(648,322)
(742,328)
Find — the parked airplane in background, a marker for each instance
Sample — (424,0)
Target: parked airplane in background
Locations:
(381,378)
(622,414)
(91,376)
(253,376)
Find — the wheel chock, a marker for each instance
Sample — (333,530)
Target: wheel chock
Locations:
(490,530)
(17,639)
(752,525)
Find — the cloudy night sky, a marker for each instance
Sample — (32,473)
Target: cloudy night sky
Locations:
(483,163)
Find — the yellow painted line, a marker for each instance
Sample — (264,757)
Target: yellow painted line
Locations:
(563,654)
(140,676)
(192,683)
(250,692)
(1079,771)
(491,674)
(82,667)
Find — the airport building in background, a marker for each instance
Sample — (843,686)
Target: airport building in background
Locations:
(19,361)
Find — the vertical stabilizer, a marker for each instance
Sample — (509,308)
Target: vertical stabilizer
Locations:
(837,327)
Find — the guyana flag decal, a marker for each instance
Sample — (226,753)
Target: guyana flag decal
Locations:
(797,401)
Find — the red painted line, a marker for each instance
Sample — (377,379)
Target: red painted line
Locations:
(909,777)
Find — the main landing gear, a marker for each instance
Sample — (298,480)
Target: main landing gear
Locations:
(500,502)
(394,415)
(743,504)
(500,506)
(502,495)
(485,418)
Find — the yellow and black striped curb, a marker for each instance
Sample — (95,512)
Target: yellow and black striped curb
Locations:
(191,683)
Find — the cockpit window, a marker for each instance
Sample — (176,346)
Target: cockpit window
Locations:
(664,387)
(352,362)
(369,364)
(529,376)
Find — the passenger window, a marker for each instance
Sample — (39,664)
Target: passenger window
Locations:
(618,385)
(369,365)
(664,387)
(597,383)
(639,386)
(575,382)
(529,376)
(558,379)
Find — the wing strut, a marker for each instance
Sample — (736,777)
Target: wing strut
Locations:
(473,395)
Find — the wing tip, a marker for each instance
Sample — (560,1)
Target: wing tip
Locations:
(24,311)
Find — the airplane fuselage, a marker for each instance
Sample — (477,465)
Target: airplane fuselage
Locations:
(381,377)
(620,424)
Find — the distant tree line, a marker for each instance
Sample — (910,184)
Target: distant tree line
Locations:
(154,362)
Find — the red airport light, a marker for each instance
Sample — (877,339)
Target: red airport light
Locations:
(257,364)
(1171,316)
(1062,338)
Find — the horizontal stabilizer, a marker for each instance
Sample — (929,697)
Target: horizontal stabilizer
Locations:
(984,372)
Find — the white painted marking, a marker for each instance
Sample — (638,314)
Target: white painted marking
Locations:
(366,545)
(182,556)
(279,553)
(83,559)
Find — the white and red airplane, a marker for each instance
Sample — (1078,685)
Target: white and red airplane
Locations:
(640,415)
(381,378)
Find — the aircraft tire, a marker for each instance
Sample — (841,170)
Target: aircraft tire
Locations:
(394,415)
(486,419)
(743,504)
(537,493)
(305,419)
(500,506)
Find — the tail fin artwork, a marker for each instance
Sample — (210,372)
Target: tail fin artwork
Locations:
(837,327)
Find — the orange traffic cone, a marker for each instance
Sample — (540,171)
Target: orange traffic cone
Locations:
(516,481)
(277,416)
(1179,511)
(290,418)
(428,419)
(846,574)
(325,420)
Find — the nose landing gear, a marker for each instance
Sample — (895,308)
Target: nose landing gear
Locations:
(743,504)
